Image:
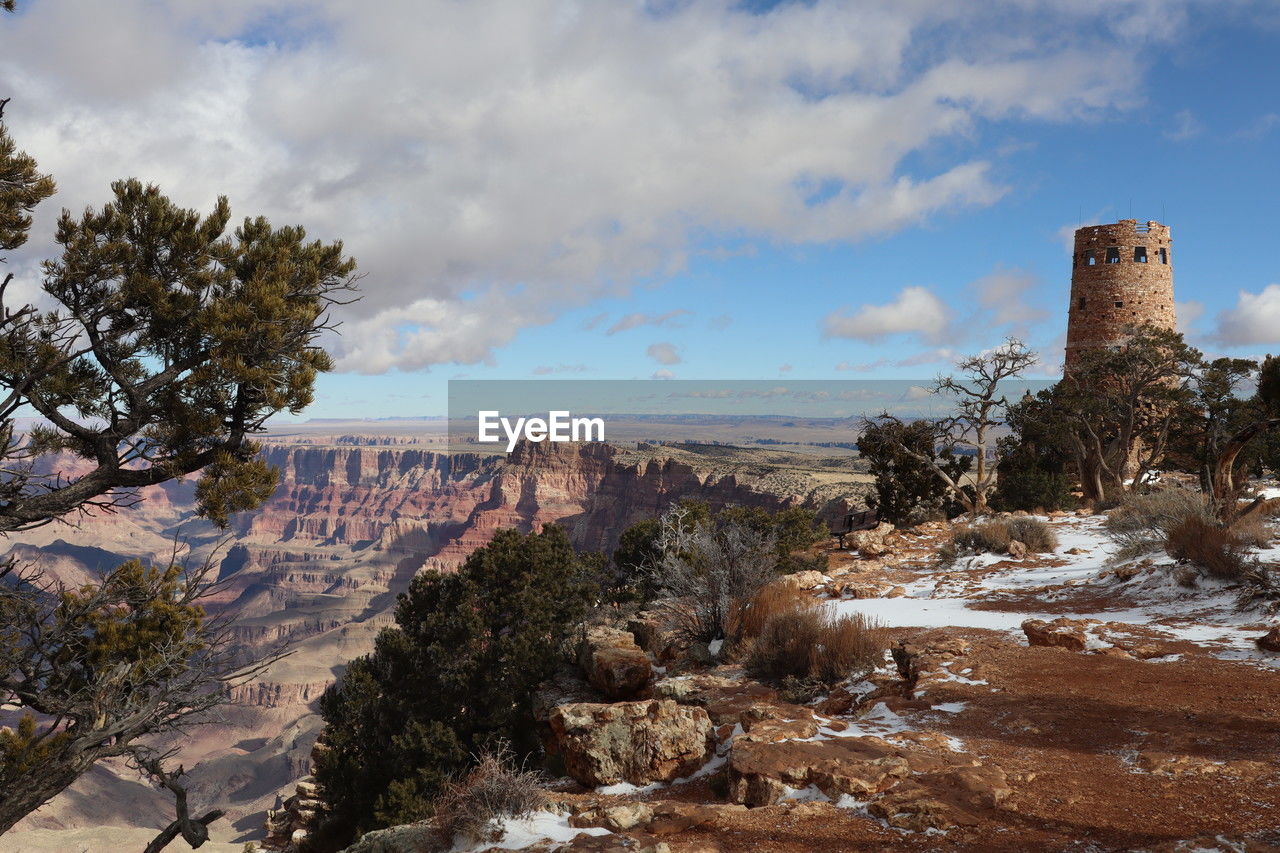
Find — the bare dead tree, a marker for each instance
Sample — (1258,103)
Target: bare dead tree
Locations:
(708,571)
(194,831)
(979,408)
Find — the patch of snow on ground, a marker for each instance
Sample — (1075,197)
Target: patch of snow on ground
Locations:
(623,788)
(949,707)
(520,833)
(811,794)
(1206,615)
(948,675)
(878,722)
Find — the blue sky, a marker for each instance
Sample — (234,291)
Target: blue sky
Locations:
(1199,152)
(619,191)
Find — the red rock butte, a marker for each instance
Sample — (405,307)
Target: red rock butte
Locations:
(1121,276)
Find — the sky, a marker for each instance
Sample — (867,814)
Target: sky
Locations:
(693,189)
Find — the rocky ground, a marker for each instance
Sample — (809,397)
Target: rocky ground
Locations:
(1052,702)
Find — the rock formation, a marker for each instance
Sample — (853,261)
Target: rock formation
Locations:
(320,564)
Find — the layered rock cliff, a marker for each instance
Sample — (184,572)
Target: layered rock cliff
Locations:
(353,520)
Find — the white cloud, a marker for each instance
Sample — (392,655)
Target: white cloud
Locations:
(1259,127)
(915,311)
(932,356)
(1003,294)
(496,162)
(1067,233)
(547,370)
(664,353)
(1185,126)
(1254,320)
(663,374)
(635,321)
(720,322)
(786,368)
(1188,314)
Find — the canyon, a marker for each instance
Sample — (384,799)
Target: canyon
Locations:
(318,568)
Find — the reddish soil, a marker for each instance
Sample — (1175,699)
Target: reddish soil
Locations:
(1102,752)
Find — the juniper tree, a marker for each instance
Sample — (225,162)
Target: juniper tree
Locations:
(160,346)
(979,406)
(904,458)
(455,674)
(1119,403)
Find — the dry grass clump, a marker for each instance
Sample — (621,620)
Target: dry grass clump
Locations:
(1140,524)
(1211,547)
(495,788)
(773,600)
(994,537)
(807,644)
(1253,530)
(1223,552)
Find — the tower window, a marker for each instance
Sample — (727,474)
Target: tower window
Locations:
(1080,303)
(1090,258)
(1140,254)
(1119,303)
(1164,256)
(1113,254)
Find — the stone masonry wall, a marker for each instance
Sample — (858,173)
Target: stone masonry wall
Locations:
(1107,297)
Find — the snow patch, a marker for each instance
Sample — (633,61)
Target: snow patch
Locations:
(519,833)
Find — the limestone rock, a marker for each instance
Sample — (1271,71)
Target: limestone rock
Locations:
(613,663)
(912,807)
(408,838)
(636,742)
(759,772)
(723,698)
(1063,633)
(807,579)
(871,543)
(615,818)
(652,634)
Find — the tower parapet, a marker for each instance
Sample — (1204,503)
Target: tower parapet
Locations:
(1121,276)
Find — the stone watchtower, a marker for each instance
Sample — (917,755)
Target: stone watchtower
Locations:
(1121,275)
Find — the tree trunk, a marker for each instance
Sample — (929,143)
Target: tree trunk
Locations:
(35,788)
(1224,486)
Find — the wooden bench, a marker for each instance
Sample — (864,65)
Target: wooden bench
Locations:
(854,521)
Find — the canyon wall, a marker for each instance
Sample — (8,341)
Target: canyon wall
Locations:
(320,564)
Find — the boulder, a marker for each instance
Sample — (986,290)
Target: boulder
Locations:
(1062,633)
(912,807)
(723,698)
(760,772)
(807,579)
(613,663)
(636,742)
(918,657)
(652,634)
(614,818)
(406,838)
(871,543)
(1270,641)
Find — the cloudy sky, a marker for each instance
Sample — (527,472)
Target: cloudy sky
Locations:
(687,188)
